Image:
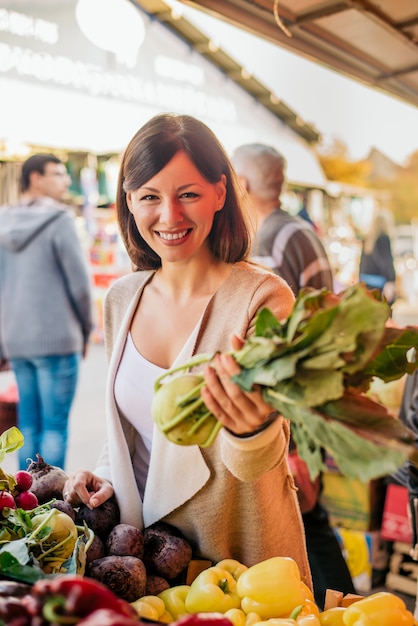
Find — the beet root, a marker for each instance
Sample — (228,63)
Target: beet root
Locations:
(47,480)
(155,585)
(125,540)
(64,507)
(166,552)
(96,550)
(100,520)
(124,575)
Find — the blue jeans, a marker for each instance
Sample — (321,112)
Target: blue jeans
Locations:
(47,388)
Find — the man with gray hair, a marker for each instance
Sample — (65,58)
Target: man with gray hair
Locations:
(291,248)
(285,243)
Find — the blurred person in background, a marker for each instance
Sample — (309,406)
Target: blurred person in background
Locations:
(285,243)
(407,475)
(291,248)
(377,270)
(45,306)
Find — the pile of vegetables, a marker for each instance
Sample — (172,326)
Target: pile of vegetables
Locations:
(315,369)
(270,593)
(53,538)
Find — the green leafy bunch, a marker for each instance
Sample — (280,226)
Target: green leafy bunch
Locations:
(315,368)
(40,542)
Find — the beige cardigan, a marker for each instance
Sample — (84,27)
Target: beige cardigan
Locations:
(235,499)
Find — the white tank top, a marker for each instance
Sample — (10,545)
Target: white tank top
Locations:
(134,390)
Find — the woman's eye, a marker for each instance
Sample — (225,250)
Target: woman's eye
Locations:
(189,194)
(148,197)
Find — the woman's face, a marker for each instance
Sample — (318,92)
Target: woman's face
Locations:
(174,210)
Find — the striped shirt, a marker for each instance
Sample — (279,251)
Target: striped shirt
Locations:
(290,247)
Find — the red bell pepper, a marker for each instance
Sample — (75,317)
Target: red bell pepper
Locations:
(73,596)
(107,617)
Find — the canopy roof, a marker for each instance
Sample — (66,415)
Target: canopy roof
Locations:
(373,41)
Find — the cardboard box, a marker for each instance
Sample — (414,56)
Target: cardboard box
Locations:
(396,524)
(351,503)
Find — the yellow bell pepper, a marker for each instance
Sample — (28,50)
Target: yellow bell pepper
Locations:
(306,614)
(213,590)
(308,620)
(379,609)
(233,567)
(271,588)
(332,617)
(237,617)
(151,607)
(174,600)
(309,607)
(307,591)
(252,618)
(277,621)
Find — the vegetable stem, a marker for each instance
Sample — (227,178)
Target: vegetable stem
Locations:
(209,441)
(197,360)
(199,423)
(185,399)
(44,523)
(51,612)
(182,415)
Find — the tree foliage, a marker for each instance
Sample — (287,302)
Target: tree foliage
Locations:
(338,166)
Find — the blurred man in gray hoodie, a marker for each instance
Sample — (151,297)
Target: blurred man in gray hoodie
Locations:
(45,306)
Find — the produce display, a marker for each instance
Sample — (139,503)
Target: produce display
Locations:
(315,369)
(55,571)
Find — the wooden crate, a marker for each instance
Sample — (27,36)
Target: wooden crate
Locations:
(403,570)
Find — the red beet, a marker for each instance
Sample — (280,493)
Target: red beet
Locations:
(48,480)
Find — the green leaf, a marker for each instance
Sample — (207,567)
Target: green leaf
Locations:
(10,440)
(355,455)
(256,351)
(11,568)
(363,413)
(267,324)
(18,549)
(392,362)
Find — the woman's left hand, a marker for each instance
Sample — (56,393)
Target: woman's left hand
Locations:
(239,411)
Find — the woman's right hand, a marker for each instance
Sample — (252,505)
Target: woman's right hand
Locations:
(84,487)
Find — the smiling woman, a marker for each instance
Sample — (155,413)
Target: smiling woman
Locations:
(179,212)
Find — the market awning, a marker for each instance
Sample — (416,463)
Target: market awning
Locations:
(373,41)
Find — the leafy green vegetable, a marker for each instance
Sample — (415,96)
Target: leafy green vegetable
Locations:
(315,369)
(10,440)
(42,541)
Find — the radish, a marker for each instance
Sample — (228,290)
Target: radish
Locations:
(7,501)
(23,480)
(26,500)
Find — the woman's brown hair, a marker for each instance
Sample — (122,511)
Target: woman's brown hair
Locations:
(148,152)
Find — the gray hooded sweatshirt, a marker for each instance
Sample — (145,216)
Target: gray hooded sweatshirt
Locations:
(45,292)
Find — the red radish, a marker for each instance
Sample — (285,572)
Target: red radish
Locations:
(23,480)
(26,500)
(6,500)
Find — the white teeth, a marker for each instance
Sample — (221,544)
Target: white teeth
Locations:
(172,236)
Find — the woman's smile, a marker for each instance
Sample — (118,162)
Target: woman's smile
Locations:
(178,236)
